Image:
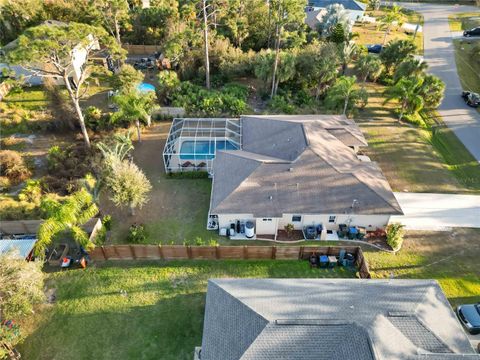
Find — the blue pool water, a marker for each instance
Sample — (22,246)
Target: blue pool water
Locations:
(204,149)
(144,87)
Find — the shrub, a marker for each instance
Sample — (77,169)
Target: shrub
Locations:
(107,222)
(289,229)
(96,120)
(137,234)
(13,166)
(32,192)
(395,232)
(168,84)
(5,183)
(281,104)
(127,78)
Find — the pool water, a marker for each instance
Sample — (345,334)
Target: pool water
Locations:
(204,149)
(144,87)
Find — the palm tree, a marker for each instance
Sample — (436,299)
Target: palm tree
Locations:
(347,52)
(134,107)
(345,94)
(408,92)
(410,67)
(393,15)
(67,216)
(369,66)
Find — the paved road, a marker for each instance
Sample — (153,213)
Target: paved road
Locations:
(438,211)
(440,55)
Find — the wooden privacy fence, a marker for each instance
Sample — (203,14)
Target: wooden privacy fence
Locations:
(141,49)
(181,252)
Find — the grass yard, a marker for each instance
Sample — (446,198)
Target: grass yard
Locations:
(31,98)
(411,159)
(464,21)
(449,257)
(161,315)
(372,34)
(468,66)
(177,209)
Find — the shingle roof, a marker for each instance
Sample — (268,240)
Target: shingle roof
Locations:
(330,319)
(347,4)
(299,164)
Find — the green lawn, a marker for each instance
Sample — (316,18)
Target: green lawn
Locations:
(412,158)
(468,67)
(160,317)
(30,98)
(464,21)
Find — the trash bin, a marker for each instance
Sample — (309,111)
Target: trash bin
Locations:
(323,260)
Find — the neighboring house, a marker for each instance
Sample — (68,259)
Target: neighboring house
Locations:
(330,319)
(316,9)
(79,56)
(275,170)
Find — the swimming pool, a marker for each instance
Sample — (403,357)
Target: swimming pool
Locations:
(204,149)
(145,87)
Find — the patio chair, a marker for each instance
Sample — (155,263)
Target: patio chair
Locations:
(187,164)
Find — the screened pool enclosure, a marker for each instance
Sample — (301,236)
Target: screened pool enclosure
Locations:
(193,143)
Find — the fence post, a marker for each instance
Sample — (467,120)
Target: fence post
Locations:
(160,252)
(132,250)
(274,252)
(217,255)
(245,253)
(104,253)
(300,253)
(189,251)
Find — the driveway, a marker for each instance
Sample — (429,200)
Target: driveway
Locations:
(440,54)
(438,211)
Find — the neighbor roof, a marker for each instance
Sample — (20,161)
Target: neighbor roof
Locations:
(260,319)
(347,4)
(299,164)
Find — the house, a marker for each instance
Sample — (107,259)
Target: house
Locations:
(274,170)
(316,9)
(260,319)
(78,54)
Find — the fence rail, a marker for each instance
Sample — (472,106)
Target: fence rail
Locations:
(182,252)
(141,49)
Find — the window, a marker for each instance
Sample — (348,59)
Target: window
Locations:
(296,218)
(267,219)
(332,219)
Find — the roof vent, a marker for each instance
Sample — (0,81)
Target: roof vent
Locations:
(290,169)
(270,197)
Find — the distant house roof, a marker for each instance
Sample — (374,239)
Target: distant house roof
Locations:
(299,164)
(306,319)
(347,4)
(29,227)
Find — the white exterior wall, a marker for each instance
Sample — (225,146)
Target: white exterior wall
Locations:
(370,222)
(266,226)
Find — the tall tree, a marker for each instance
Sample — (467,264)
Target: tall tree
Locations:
(134,107)
(16,16)
(347,53)
(53,51)
(67,216)
(408,92)
(432,91)
(346,95)
(112,14)
(393,16)
(335,15)
(285,14)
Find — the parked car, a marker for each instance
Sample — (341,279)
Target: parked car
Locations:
(374,49)
(469,316)
(472,32)
(471,99)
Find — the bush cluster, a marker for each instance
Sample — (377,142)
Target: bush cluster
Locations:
(13,168)
(229,100)
(188,175)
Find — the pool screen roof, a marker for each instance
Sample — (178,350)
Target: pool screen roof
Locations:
(218,132)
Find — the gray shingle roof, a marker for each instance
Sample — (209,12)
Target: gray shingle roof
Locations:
(330,319)
(347,4)
(299,164)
